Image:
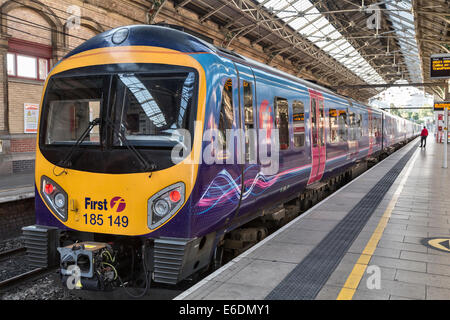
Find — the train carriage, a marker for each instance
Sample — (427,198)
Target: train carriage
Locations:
(153,145)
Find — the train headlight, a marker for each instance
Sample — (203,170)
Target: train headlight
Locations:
(60,200)
(161,207)
(55,197)
(164,204)
(120,35)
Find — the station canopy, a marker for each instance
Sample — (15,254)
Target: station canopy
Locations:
(347,45)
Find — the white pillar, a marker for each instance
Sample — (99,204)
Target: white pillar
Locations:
(444,165)
(447,97)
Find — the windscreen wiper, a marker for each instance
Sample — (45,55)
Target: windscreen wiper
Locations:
(65,162)
(148,166)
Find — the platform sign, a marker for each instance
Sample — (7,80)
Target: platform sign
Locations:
(30,117)
(440,66)
(441,105)
(299,116)
(335,113)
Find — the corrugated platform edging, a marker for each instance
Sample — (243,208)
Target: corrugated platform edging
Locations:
(310,275)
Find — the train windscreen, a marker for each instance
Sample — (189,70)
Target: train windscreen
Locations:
(150,109)
(138,111)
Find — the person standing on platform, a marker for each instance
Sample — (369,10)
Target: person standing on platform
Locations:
(423,137)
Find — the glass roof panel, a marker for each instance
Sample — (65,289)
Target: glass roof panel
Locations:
(299,22)
(399,12)
(317,29)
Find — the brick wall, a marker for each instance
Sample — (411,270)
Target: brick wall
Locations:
(20,92)
(19,30)
(44,22)
(23,145)
(78,35)
(15,215)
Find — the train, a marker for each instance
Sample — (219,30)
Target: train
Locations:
(153,145)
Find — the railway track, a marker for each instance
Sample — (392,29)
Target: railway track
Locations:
(22,277)
(12,252)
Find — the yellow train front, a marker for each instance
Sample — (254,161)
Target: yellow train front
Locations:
(106,180)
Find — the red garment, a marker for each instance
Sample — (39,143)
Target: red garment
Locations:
(424,132)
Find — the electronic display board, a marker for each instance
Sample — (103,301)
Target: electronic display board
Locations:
(440,66)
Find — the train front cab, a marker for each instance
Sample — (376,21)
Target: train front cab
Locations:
(105,181)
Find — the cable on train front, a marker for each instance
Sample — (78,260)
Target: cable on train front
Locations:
(106,183)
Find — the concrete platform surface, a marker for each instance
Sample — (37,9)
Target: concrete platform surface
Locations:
(391,257)
(16,187)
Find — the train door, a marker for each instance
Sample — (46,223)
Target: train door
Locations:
(251,168)
(371,131)
(353,143)
(317,136)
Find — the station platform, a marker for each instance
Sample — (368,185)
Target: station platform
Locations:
(385,235)
(16,187)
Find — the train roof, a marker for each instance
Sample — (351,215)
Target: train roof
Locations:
(166,37)
(138,35)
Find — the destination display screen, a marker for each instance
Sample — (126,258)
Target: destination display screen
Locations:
(439,106)
(440,66)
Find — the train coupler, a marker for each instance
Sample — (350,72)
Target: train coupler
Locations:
(89,266)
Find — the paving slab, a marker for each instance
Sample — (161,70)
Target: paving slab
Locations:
(16,187)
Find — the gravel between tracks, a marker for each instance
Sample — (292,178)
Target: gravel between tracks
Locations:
(45,288)
(14,266)
(9,244)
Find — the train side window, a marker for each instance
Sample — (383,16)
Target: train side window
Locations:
(342,122)
(282,121)
(338,126)
(355,120)
(248,105)
(313,122)
(226,113)
(249,120)
(321,123)
(299,123)
(334,126)
(359,129)
(351,125)
(374,126)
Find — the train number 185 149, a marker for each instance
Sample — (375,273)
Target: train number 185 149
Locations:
(98,220)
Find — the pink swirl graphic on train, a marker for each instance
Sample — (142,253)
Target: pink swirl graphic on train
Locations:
(225,188)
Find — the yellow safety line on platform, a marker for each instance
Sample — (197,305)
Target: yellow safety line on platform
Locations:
(353,280)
